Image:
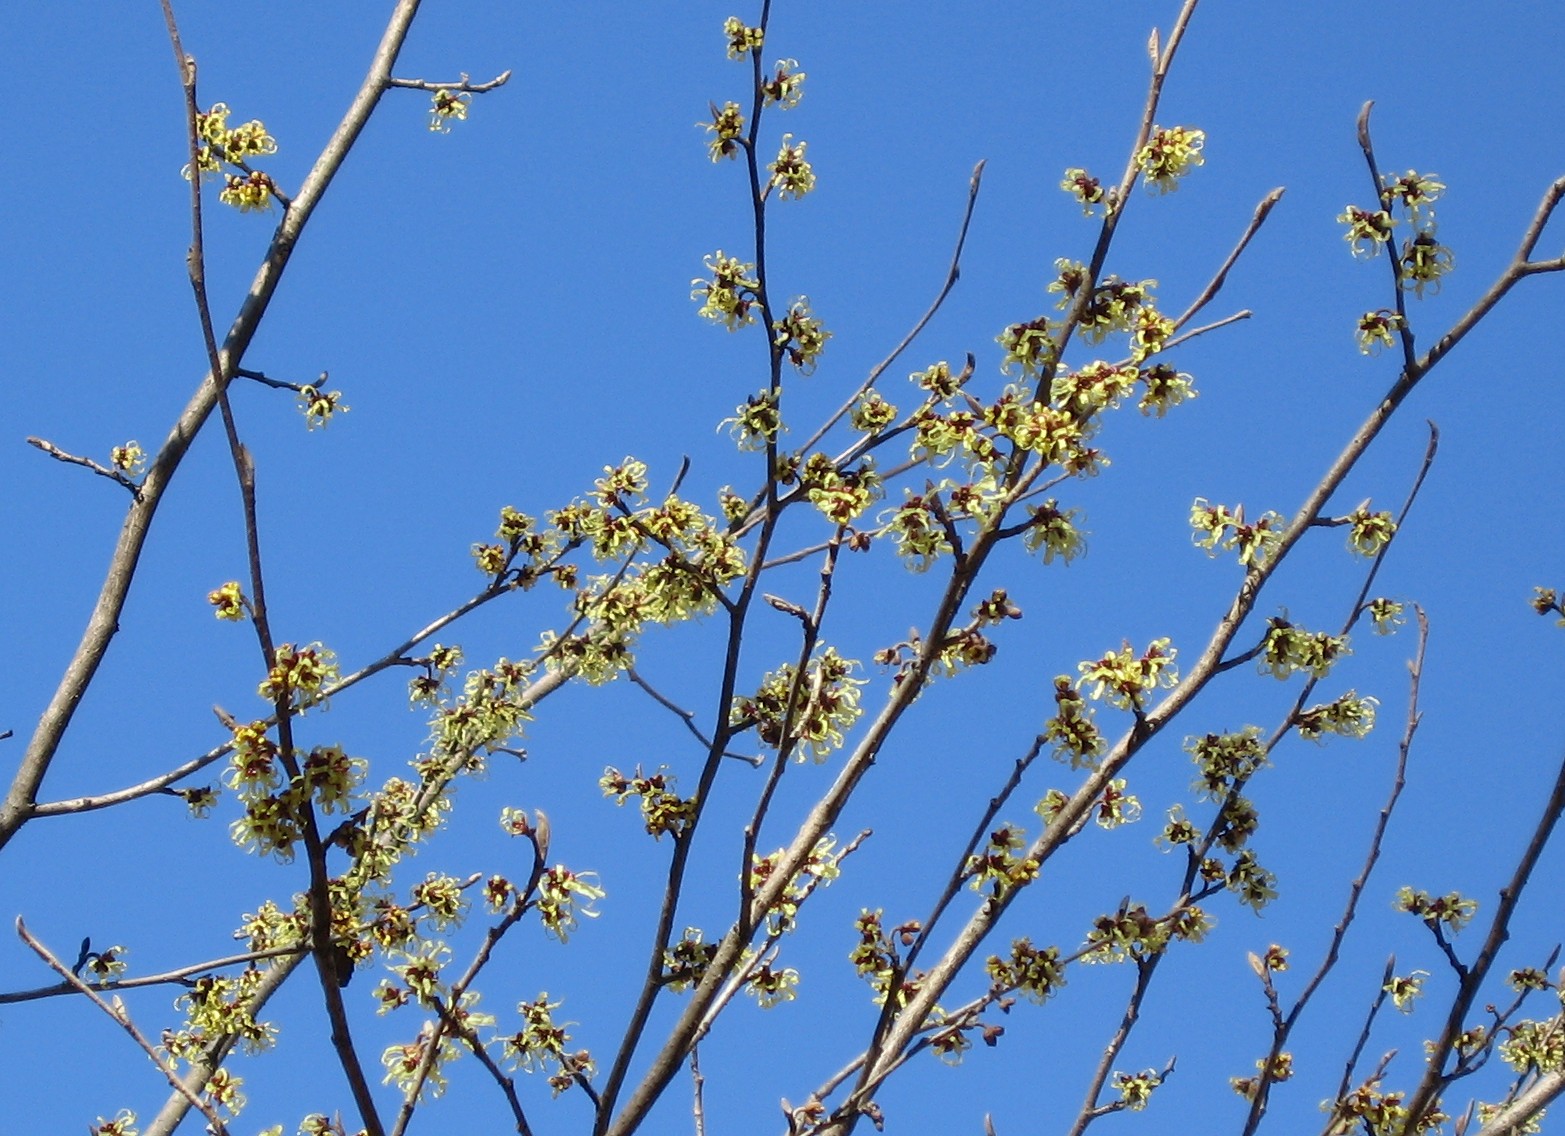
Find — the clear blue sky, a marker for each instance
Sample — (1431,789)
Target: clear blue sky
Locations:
(507,310)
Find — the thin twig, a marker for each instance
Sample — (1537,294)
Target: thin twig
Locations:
(178,975)
(462,84)
(953,274)
(1215,285)
(697,1084)
(688,717)
(101,470)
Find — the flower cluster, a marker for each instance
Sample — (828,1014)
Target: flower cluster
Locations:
(228,602)
(1169,155)
(429,687)
(1423,260)
(318,405)
(700,560)
(685,963)
(299,675)
(1125,678)
(563,896)
(1546,601)
(221,145)
(1055,436)
(800,335)
(1368,229)
(519,537)
(662,810)
(1036,971)
(541,1046)
(872,413)
(1001,867)
(1452,910)
(1216,527)
(727,129)
(1135,1089)
(786,86)
(1225,761)
(447,107)
(492,709)
(1534,1047)
(1164,388)
(1072,734)
(1369,532)
(1376,330)
(841,495)
(123,1124)
(1286,649)
(109,964)
(731,292)
(919,530)
(1053,532)
(222,1091)
(1086,189)
(1277,1068)
(821,866)
(938,437)
(742,40)
(814,709)
(1029,347)
(950,1043)
(1130,933)
(1348,716)
(1405,989)
(1096,387)
(220,1006)
(249,194)
(405,1064)
(129,458)
(1253,884)
(1115,305)
(792,174)
(1115,806)
(877,960)
(441,897)
(1385,614)
(770,985)
(1367,1109)
(272,819)
(874,956)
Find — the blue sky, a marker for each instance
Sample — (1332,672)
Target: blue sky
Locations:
(507,310)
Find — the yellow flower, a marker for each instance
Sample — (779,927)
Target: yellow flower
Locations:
(791,173)
(447,107)
(1170,155)
(250,193)
(228,601)
(318,405)
(129,458)
(727,126)
(742,40)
